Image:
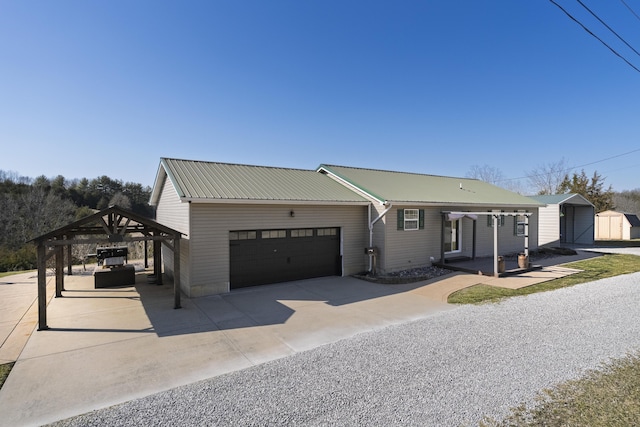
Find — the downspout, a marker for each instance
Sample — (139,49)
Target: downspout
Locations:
(371,224)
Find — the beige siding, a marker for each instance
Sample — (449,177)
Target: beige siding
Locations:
(172,213)
(549,225)
(415,248)
(211,224)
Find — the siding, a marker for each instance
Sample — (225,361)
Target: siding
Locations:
(412,249)
(211,224)
(549,225)
(171,212)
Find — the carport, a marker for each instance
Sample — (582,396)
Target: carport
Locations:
(108,226)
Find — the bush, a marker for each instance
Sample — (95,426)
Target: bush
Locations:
(24,258)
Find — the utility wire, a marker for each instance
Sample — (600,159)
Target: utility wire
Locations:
(608,27)
(630,10)
(575,167)
(598,38)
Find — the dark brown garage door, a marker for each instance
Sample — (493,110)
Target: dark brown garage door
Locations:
(259,257)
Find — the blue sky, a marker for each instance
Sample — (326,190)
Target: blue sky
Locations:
(91,88)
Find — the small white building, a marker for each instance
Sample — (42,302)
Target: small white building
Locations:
(567,218)
(612,225)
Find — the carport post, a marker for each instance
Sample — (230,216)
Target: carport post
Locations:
(42,287)
(157,261)
(69,261)
(59,254)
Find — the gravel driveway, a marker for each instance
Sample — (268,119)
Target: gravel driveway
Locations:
(450,369)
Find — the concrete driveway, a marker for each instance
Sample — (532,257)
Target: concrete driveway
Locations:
(107,346)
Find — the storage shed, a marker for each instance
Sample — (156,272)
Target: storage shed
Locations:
(612,225)
(567,218)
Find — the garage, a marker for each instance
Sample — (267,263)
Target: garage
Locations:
(260,257)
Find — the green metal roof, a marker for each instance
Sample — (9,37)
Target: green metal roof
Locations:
(199,180)
(403,187)
(556,199)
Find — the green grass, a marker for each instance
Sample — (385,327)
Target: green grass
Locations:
(4,372)
(11,273)
(593,269)
(606,397)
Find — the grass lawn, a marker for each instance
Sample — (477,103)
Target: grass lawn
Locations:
(593,269)
(4,372)
(606,397)
(11,273)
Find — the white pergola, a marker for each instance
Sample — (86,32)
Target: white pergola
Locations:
(453,215)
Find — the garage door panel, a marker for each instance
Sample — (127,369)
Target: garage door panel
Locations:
(267,260)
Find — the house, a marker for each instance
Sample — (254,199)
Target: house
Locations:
(248,225)
(417,219)
(566,218)
(612,225)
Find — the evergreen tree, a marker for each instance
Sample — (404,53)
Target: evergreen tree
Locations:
(592,190)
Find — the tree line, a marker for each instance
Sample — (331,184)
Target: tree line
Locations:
(31,207)
(555,178)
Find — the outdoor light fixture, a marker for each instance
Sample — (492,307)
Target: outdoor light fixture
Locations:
(292,214)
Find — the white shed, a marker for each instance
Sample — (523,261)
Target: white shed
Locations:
(612,225)
(567,218)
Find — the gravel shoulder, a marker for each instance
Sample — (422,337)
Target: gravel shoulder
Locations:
(451,369)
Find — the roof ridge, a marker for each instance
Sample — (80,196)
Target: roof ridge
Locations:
(237,164)
(398,172)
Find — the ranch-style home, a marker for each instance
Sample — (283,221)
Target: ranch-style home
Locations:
(249,225)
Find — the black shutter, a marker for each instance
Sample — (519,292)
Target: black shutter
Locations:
(421,219)
(400,219)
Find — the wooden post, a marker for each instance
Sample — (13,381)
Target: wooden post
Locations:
(176,271)
(59,254)
(69,261)
(157,261)
(42,287)
(146,254)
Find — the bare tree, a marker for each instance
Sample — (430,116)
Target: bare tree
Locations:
(547,178)
(486,173)
(494,176)
(627,201)
(121,200)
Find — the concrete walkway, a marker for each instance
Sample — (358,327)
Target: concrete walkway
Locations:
(107,346)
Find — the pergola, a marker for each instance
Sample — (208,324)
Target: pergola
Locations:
(450,215)
(108,226)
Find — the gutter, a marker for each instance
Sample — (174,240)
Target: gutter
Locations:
(371,224)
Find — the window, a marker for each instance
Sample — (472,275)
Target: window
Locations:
(519,225)
(327,231)
(490,220)
(452,232)
(305,232)
(274,234)
(411,219)
(242,235)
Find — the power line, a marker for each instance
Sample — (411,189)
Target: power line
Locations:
(596,37)
(575,167)
(630,10)
(608,27)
